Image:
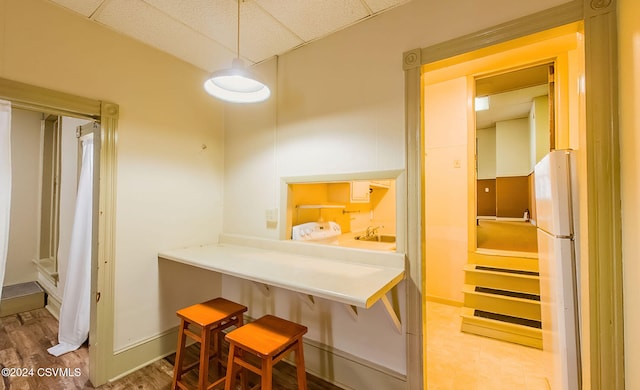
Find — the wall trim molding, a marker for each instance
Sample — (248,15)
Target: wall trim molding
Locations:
(443,301)
(143,353)
(604,215)
(530,24)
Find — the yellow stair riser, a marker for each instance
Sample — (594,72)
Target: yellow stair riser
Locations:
(497,304)
(526,337)
(503,281)
(510,262)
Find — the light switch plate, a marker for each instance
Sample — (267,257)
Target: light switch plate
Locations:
(272,215)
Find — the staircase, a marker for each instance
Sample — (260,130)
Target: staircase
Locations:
(502,298)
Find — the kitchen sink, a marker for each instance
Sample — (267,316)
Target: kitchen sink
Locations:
(378,238)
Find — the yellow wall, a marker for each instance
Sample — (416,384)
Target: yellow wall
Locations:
(356,216)
(446,194)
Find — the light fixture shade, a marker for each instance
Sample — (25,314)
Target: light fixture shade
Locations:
(236,85)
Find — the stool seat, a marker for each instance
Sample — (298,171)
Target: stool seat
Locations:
(211,312)
(212,317)
(270,338)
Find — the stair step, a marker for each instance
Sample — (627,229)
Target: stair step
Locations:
(502,302)
(509,319)
(493,325)
(504,262)
(507,293)
(502,279)
(506,270)
(21,297)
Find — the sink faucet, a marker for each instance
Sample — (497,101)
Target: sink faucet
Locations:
(372,231)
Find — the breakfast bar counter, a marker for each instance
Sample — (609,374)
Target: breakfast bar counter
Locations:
(358,278)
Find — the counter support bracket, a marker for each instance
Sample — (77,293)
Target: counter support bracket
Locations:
(353,311)
(263,288)
(393,316)
(308,299)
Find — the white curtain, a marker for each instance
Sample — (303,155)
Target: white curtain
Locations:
(74,312)
(5,184)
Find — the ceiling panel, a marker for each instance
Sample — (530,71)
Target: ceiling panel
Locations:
(311,19)
(509,105)
(204,32)
(380,5)
(141,21)
(262,36)
(83,7)
(214,19)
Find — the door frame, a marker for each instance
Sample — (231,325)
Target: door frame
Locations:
(605,328)
(31,97)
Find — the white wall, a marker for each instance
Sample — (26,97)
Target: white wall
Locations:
(629,51)
(169,187)
(23,228)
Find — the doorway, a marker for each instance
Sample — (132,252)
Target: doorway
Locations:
(44,150)
(453,252)
(514,130)
(25,96)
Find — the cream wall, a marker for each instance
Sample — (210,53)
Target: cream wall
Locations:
(539,122)
(348,86)
(486,141)
(170,152)
(513,148)
(23,228)
(68,189)
(629,66)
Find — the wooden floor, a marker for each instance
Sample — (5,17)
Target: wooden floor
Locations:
(25,337)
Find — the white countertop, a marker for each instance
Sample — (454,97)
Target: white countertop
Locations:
(351,276)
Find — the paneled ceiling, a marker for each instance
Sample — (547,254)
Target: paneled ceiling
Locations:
(511,94)
(204,32)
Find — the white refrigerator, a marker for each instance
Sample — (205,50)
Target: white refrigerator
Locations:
(556,219)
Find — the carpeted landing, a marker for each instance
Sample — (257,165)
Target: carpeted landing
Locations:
(518,236)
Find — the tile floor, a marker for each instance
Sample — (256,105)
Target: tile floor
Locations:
(457,360)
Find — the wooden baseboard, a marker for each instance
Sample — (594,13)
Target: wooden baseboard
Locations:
(141,354)
(53,306)
(349,371)
(332,365)
(444,301)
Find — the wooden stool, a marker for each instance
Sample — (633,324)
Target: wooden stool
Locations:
(269,338)
(212,317)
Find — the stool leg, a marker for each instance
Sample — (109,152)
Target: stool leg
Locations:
(217,342)
(205,344)
(230,381)
(177,367)
(266,379)
(302,375)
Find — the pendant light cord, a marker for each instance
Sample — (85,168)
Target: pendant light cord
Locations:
(238,46)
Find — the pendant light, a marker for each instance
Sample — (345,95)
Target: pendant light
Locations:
(237,84)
